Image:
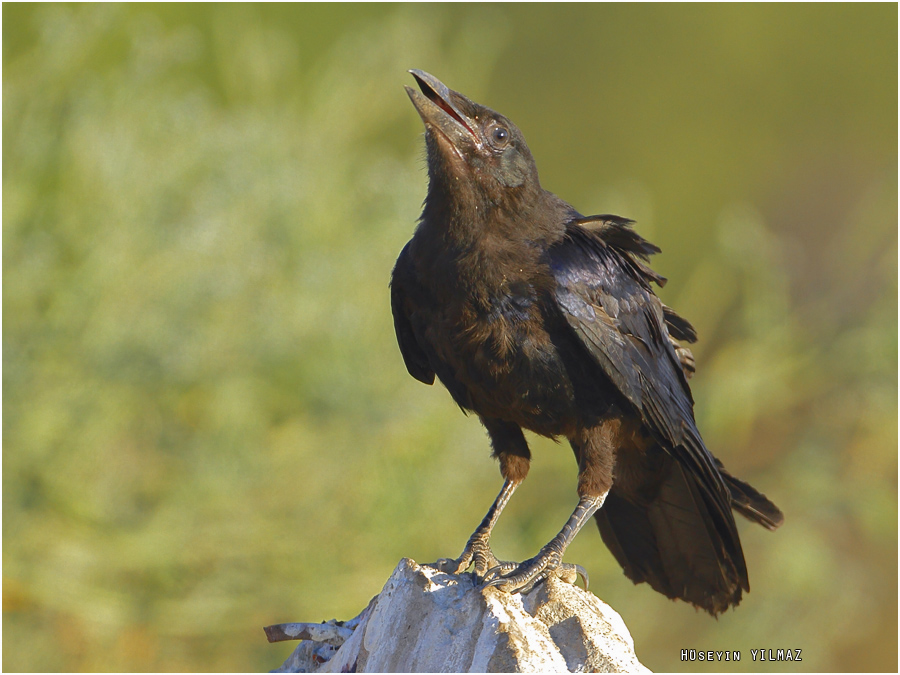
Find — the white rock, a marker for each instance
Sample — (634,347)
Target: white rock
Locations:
(427,621)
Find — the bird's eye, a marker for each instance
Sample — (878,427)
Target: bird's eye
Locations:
(500,135)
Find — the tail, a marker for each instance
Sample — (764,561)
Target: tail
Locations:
(750,503)
(668,531)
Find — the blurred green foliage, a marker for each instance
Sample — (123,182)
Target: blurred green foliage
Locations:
(207,425)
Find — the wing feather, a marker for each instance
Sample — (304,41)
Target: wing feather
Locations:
(414,356)
(606,298)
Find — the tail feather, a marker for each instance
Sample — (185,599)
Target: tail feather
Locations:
(675,540)
(751,503)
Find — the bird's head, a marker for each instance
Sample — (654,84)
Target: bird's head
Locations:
(471,144)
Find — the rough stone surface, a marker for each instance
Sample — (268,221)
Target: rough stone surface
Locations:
(427,621)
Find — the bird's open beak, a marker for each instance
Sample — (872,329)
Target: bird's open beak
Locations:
(436,108)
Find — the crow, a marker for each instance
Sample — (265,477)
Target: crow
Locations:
(536,317)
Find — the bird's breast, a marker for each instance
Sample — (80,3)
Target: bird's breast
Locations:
(502,355)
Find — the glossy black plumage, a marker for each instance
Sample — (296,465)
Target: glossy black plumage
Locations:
(534,316)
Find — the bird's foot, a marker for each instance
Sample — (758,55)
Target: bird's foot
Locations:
(477,554)
(522,578)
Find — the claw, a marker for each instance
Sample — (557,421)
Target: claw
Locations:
(580,571)
(549,560)
(478,555)
(522,578)
(569,573)
(516,583)
(526,575)
(496,572)
(494,583)
(502,568)
(486,565)
(534,582)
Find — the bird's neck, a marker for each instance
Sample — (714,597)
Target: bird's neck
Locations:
(524,218)
(476,248)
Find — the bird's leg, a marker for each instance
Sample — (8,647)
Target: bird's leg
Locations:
(549,559)
(478,548)
(511,450)
(595,450)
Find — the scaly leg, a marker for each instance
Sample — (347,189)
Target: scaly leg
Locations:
(595,451)
(478,548)
(511,450)
(549,560)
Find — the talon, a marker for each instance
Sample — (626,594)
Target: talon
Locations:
(569,573)
(584,576)
(484,562)
(495,583)
(531,584)
(481,558)
(524,577)
(496,572)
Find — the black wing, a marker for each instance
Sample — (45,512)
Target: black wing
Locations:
(402,308)
(681,536)
(604,294)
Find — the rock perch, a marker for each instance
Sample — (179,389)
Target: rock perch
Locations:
(427,621)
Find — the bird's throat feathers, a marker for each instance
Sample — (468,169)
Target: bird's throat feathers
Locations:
(476,247)
(465,213)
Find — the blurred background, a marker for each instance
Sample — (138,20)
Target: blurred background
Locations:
(207,424)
